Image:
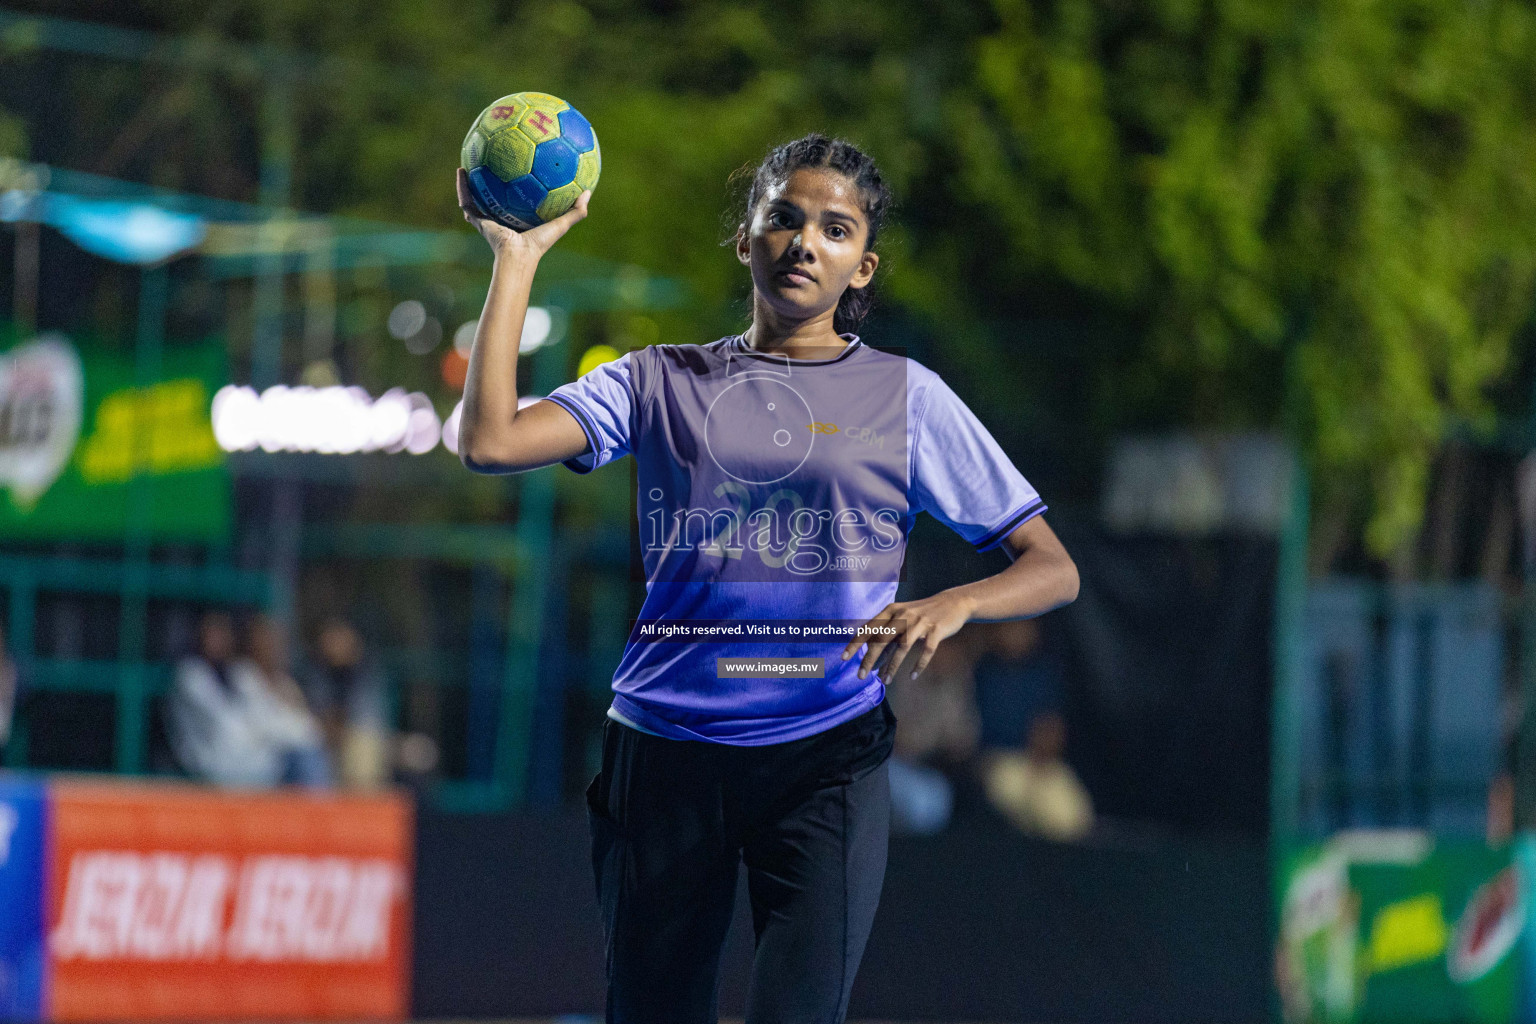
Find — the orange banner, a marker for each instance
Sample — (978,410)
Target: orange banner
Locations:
(176,903)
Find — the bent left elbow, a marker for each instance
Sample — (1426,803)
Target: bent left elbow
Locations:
(1069,582)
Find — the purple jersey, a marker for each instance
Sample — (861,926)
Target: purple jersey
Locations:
(776,491)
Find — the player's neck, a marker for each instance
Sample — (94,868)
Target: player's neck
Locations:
(813,339)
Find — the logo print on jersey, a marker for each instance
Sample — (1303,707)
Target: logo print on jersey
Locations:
(752,430)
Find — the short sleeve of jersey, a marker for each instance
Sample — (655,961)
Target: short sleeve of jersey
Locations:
(603,401)
(961,476)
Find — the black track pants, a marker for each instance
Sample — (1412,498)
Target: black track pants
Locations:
(671,820)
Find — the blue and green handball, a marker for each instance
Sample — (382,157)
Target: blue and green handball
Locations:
(529,156)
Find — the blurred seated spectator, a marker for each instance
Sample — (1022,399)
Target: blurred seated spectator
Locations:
(937,710)
(346,688)
(1016,678)
(937,733)
(307,761)
(1035,789)
(228,727)
(922,798)
(1019,689)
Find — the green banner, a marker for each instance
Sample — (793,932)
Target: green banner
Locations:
(1395,927)
(82,448)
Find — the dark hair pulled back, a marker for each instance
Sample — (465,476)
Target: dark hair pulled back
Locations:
(817,150)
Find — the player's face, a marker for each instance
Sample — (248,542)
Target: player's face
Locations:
(805,244)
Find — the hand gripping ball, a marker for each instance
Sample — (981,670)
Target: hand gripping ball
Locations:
(529,156)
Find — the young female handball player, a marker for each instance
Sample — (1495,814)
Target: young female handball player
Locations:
(779,473)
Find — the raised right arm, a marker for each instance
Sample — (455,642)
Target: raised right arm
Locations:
(494,435)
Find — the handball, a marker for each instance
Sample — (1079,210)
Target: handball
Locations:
(529,156)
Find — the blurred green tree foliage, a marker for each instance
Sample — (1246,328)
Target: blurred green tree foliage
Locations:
(1316,213)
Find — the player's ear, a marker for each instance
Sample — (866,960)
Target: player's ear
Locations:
(743,245)
(866,271)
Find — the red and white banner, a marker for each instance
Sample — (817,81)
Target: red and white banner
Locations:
(168,902)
